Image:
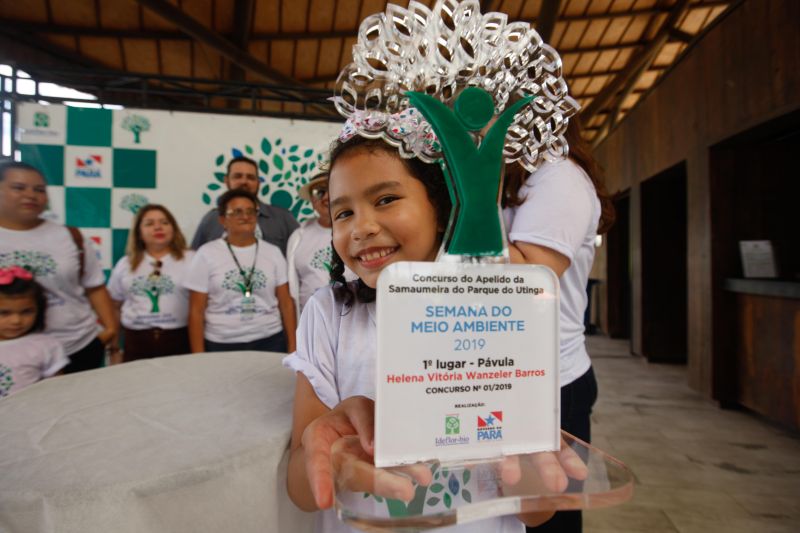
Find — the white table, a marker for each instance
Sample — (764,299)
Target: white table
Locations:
(192,443)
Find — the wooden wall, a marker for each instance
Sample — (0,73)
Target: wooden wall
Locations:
(744,72)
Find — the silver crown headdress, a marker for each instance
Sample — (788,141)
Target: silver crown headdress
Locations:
(441,51)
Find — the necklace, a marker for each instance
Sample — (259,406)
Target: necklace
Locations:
(247,278)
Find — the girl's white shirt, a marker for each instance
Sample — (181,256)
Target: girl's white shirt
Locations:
(228,317)
(561,211)
(48,249)
(148,301)
(28,359)
(336,351)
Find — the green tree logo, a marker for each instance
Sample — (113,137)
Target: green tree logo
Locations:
(136,124)
(41,120)
(282,170)
(234,281)
(474,171)
(452,426)
(445,488)
(152,287)
(40,263)
(322,259)
(133,202)
(6,381)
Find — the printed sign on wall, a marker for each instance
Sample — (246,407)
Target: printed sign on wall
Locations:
(102,165)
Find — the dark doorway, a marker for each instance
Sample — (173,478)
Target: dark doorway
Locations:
(664,283)
(756,339)
(618,270)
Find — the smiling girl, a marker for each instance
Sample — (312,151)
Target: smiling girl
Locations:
(385,209)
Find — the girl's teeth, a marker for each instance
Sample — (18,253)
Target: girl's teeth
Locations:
(375,255)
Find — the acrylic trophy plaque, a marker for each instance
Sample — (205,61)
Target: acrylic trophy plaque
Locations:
(467,391)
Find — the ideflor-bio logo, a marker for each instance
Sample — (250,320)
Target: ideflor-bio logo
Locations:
(490,427)
(452,431)
(452,426)
(41,120)
(89,167)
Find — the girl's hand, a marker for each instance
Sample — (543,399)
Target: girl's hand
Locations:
(341,443)
(355,471)
(354,416)
(541,473)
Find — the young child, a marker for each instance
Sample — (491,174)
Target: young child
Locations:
(26,355)
(384,209)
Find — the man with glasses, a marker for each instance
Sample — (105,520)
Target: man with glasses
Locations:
(275,224)
(309,251)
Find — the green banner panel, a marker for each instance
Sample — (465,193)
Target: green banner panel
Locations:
(49,158)
(88,207)
(89,127)
(134,168)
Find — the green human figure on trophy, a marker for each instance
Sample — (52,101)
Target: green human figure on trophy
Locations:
(474,172)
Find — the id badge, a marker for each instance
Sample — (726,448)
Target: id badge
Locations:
(248,305)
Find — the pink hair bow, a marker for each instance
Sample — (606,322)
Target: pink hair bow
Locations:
(9,274)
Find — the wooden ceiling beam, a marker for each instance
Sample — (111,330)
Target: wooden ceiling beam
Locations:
(243,11)
(212,39)
(680,35)
(91,31)
(546,22)
(11,30)
(227,49)
(243,14)
(641,12)
(571,78)
(636,66)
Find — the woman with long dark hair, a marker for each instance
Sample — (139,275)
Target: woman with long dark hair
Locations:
(64,263)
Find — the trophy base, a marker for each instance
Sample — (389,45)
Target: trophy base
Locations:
(434,494)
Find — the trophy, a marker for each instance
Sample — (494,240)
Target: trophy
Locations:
(467,394)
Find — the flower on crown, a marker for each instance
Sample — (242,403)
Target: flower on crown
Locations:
(440,51)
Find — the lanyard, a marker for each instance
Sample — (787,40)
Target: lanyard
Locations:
(247,278)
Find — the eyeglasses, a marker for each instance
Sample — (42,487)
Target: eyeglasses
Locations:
(240,213)
(318,193)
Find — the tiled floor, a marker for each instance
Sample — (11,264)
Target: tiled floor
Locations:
(698,468)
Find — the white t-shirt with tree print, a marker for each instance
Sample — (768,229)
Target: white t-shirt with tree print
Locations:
(309,257)
(25,360)
(50,253)
(230,317)
(150,300)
